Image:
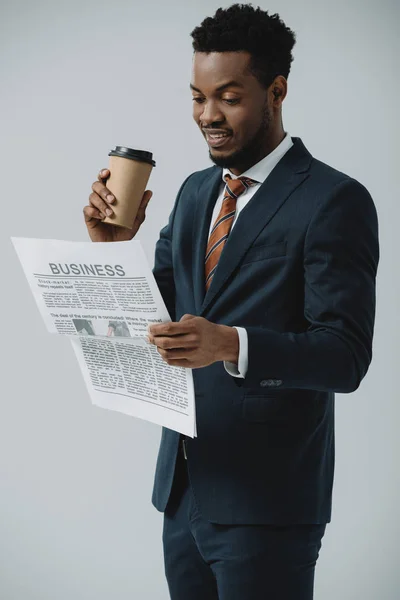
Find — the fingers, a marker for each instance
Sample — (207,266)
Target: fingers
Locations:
(90,213)
(103,175)
(101,198)
(178,342)
(177,353)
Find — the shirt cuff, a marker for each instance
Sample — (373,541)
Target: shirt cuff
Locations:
(240,369)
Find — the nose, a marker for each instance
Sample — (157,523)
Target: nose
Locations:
(210,114)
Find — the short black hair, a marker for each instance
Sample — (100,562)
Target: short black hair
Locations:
(244,28)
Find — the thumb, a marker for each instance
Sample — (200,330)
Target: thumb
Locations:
(146,198)
(186,318)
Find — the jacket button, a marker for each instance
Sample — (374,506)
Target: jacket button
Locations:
(266,382)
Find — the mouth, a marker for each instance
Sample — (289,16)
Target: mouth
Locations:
(216,140)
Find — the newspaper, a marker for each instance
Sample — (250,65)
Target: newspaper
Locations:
(103,296)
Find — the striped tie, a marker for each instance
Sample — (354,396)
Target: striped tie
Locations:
(222,226)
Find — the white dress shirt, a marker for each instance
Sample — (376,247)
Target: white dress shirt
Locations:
(259,172)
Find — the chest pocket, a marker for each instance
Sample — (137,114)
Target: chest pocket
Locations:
(264,251)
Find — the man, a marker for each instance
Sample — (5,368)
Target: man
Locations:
(267,266)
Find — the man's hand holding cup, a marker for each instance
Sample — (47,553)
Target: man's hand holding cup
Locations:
(115,213)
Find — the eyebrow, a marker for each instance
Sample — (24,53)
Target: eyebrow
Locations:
(221,87)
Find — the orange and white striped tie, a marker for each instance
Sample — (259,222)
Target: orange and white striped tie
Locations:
(223,223)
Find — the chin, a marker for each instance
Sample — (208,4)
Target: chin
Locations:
(221,159)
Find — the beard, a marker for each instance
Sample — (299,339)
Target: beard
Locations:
(251,152)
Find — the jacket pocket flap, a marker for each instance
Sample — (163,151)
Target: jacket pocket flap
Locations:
(261,408)
(264,251)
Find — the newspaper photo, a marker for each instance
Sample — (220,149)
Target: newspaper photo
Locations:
(103,296)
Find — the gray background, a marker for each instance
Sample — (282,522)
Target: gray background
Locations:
(78,78)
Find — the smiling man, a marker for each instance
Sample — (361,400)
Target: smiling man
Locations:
(267,266)
(250,125)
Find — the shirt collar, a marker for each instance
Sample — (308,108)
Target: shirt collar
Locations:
(260,171)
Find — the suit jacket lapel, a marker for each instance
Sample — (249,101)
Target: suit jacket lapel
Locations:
(207,197)
(288,174)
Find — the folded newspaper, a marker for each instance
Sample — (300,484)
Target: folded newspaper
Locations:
(103,297)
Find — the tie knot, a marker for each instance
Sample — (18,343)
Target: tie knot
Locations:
(237,186)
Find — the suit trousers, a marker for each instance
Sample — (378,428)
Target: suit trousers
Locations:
(208,561)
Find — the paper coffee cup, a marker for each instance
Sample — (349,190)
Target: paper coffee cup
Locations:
(129,174)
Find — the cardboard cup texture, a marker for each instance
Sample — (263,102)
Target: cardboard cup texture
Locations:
(128,180)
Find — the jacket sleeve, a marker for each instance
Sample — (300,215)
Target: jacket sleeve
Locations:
(163,268)
(341,255)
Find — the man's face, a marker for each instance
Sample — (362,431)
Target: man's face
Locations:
(239,111)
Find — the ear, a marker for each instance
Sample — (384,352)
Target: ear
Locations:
(278,90)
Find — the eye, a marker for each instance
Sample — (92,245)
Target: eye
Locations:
(230,101)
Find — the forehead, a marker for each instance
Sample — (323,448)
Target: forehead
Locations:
(214,68)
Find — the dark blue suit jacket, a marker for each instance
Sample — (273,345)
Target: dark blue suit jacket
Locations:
(298,272)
